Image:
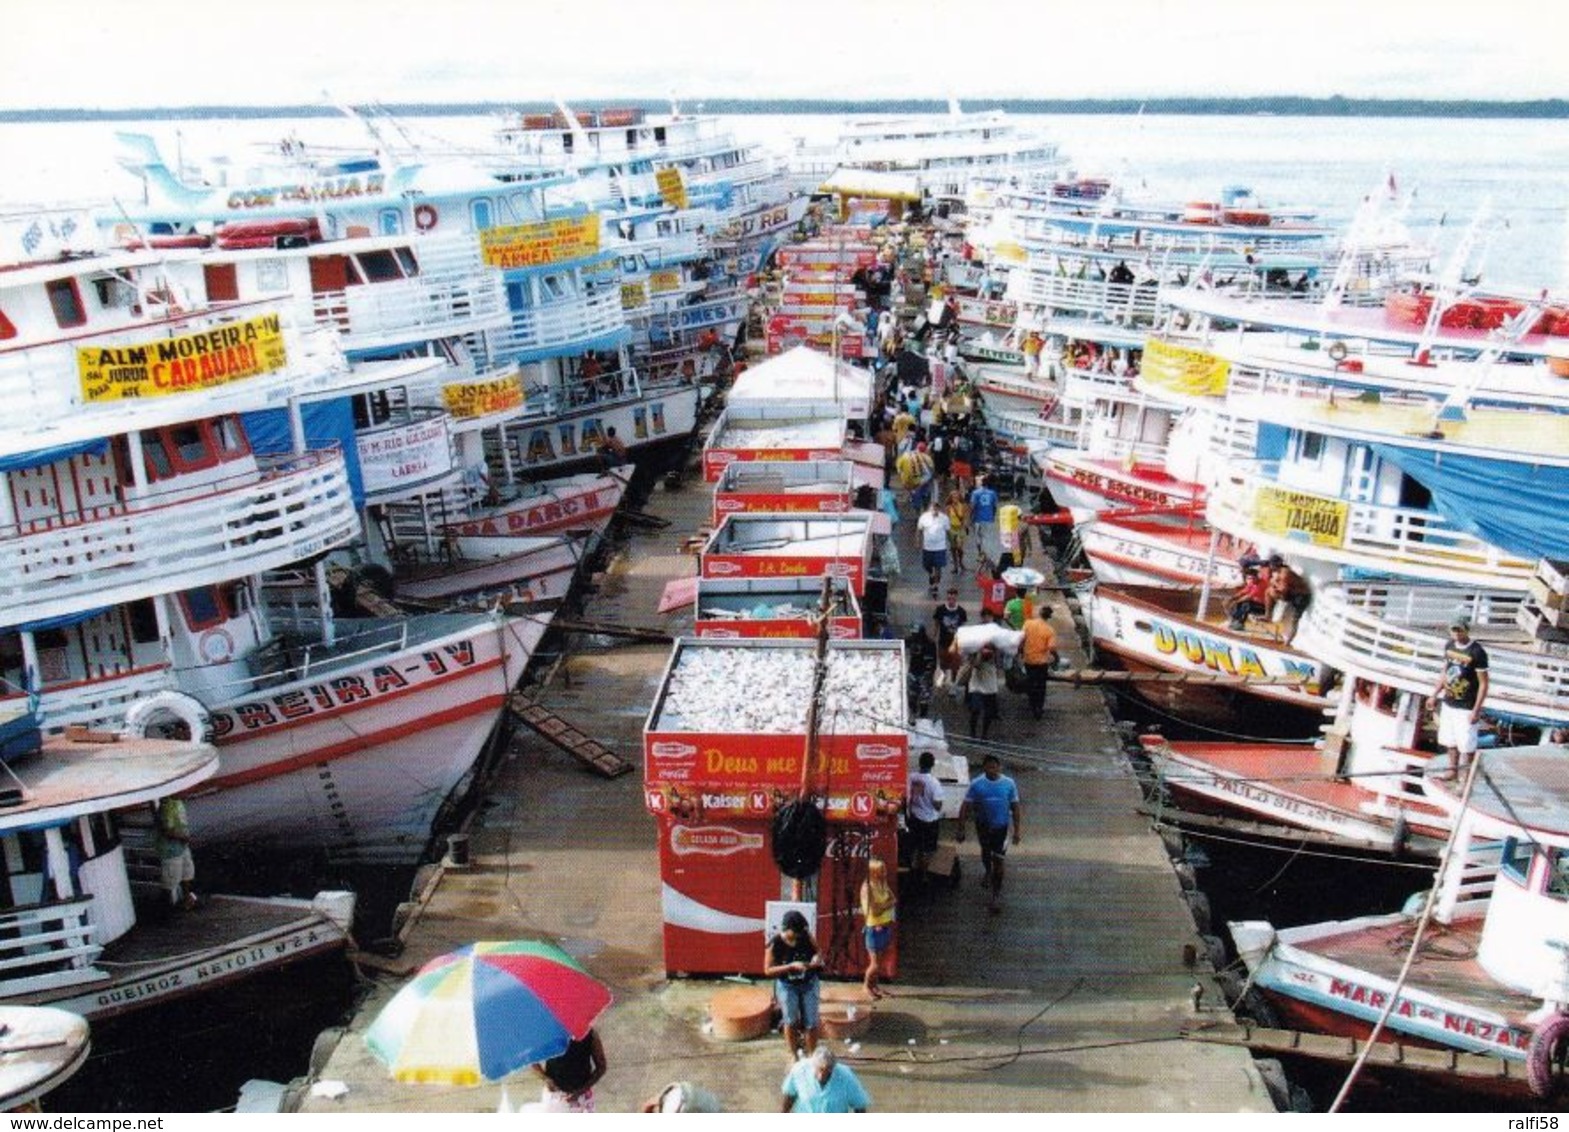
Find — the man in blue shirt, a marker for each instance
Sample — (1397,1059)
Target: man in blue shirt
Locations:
(820,1084)
(983,516)
(995,800)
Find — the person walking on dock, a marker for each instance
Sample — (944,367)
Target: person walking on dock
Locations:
(934,525)
(949,617)
(982,679)
(995,800)
(923,816)
(983,517)
(877,910)
(1038,652)
(821,1084)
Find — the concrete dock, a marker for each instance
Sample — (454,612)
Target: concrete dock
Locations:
(1071,999)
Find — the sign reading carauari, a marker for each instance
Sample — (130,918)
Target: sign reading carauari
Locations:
(182,363)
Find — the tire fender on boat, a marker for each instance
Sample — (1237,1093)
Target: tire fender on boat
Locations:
(186,709)
(216,646)
(1546,1056)
(425,217)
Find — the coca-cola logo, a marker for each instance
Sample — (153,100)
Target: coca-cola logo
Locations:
(839,569)
(719,634)
(712,841)
(719,569)
(722,457)
(833,506)
(724,504)
(841,632)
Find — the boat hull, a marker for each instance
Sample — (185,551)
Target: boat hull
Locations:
(358,762)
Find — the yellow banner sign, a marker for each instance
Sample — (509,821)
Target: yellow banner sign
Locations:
(466,400)
(671,186)
(633,296)
(1006,251)
(535,245)
(664,281)
(1179,369)
(1298,515)
(224,354)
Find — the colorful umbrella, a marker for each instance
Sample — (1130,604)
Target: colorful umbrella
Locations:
(484,1011)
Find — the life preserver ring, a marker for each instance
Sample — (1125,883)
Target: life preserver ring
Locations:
(425,217)
(216,646)
(1337,352)
(184,708)
(1547,1057)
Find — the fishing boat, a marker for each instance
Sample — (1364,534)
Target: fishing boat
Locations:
(1487,969)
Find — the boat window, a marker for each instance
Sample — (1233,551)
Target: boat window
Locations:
(480,212)
(159,466)
(1558,874)
(659,134)
(190,446)
(391,222)
(66,302)
(7,328)
(553,286)
(203,608)
(142,620)
(372,409)
(407,262)
(1516,861)
(232,441)
(223,283)
(1310,447)
(378,266)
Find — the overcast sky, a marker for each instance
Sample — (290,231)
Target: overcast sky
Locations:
(148,53)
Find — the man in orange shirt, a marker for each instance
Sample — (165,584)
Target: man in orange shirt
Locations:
(1038,652)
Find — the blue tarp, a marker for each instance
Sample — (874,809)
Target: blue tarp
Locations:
(1514,505)
(42,457)
(63,621)
(326,423)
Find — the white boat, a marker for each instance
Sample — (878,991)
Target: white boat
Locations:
(76,936)
(1489,972)
(139,522)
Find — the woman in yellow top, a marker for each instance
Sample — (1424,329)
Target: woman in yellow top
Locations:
(877,906)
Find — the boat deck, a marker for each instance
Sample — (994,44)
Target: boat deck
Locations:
(1445,966)
(165,934)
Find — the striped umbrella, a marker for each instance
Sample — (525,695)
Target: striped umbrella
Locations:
(484,1011)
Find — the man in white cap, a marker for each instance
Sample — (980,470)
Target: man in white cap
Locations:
(1462,687)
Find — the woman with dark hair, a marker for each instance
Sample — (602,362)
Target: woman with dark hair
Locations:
(793,962)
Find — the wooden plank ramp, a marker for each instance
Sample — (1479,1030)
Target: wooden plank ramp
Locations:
(559,733)
(1452,1063)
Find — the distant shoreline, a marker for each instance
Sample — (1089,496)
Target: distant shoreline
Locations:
(1336,107)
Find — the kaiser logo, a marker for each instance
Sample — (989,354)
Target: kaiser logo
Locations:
(712,841)
(669,750)
(721,569)
(861,804)
(877,751)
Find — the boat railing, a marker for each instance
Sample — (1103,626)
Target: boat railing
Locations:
(1396,633)
(101,701)
(1251,502)
(1114,302)
(558,326)
(289,508)
(47,945)
(403,310)
(1465,886)
(32,390)
(1084,386)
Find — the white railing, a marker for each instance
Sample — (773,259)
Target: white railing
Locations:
(1085,387)
(668,247)
(1125,302)
(1400,540)
(39,383)
(1397,634)
(557,327)
(291,508)
(399,311)
(46,945)
(102,700)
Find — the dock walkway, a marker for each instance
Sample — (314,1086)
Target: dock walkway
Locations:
(1073,998)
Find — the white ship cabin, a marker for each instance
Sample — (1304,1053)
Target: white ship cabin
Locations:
(1343,504)
(1514,874)
(66,892)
